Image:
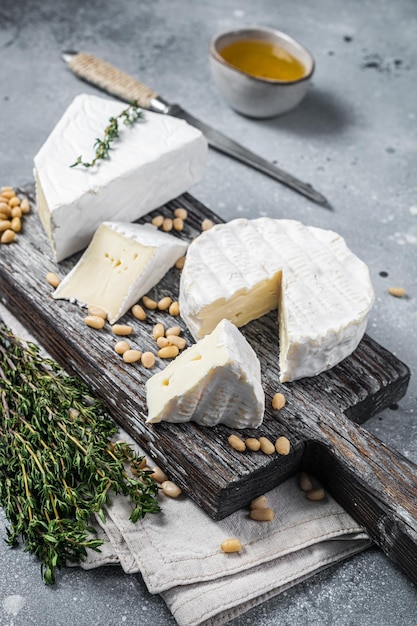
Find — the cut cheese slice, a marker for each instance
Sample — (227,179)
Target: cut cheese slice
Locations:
(217,380)
(245,268)
(121,264)
(150,163)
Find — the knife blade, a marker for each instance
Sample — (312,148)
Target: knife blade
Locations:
(116,82)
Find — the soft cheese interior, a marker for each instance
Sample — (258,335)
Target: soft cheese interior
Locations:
(121,264)
(245,268)
(217,380)
(151,162)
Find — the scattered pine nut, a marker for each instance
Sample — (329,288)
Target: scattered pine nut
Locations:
(52,279)
(231,545)
(132,356)
(158,474)
(93,309)
(178,223)
(94,321)
(237,443)
(122,329)
(16,212)
(25,206)
(8,193)
(169,352)
(398,292)
(5,225)
(167,224)
(173,330)
(148,360)
(149,303)
(6,188)
(278,401)
(7,236)
(267,446)
(170,489)
(206,224)
(4,208)
(14,201)
(174,340)
(162,342)
(261,502)
(181,213)
(158,331)
(180,263)
(262,515)
(138,312)
(253,444)
(282,446)
(158,220)
(174,309)
(316,494)
(305,482)
(164,303)
(121,347)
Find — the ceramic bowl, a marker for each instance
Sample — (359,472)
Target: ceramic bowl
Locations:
(255,96)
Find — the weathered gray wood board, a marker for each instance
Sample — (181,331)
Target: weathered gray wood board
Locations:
(376,485)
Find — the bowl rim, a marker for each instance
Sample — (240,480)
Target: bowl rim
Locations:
(250,31)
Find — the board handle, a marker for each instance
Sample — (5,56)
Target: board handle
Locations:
(376,485)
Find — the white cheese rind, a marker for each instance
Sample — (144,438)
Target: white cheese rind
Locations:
(151,162)
(121,264)
(245,268)
(217,380)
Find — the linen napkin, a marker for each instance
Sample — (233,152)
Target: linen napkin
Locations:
(178,550)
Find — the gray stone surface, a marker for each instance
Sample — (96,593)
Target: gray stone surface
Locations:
(354,138)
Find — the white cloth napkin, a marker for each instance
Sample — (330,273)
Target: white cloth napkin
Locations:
(178,550)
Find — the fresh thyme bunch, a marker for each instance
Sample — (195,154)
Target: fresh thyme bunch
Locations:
(58,465)
(129,116)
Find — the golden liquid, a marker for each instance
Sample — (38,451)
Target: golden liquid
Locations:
(263,59)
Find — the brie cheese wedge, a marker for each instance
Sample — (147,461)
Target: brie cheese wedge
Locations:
(151,162)
(121,264)
(243,269)
(217,380)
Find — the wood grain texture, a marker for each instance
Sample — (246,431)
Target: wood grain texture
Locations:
(321,417)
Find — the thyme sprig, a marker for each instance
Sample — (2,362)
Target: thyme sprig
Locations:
(58,463)
(129,117)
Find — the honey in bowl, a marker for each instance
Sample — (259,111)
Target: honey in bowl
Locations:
(263,59)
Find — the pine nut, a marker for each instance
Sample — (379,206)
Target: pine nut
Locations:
(25,206)
(282,446)
(6,188)
(162,342)
(148,360)
(267,446)
(158,331)
(164,303)
(398,292)
(261,502)
(170,489)
(169,352)
(52,279)
(305,482)
(5,225)
(174,309)
(237,443)
(8,193)
(159,475)
(122,329)
(231,545)
(316,494)
(173,330)
(178,223)
(7,236)
(253,444)
(3,216)
(132,356)
(278,401)
(180,263)
(262,515)
(14,201)
(206,224)
(138,312)
(94,321)
(149,303)
(174,340)
(16,224)
(93,309)
(167,224)
(4,208)
(158,220)
(181,213)
(16,212)
(121,347)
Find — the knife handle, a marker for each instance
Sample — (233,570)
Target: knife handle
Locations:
(111,79)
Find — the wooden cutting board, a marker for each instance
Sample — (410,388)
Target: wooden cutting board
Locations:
(321,417)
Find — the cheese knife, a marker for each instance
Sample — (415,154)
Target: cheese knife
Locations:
(116,82)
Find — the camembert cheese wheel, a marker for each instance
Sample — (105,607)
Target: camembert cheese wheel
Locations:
(243,269)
